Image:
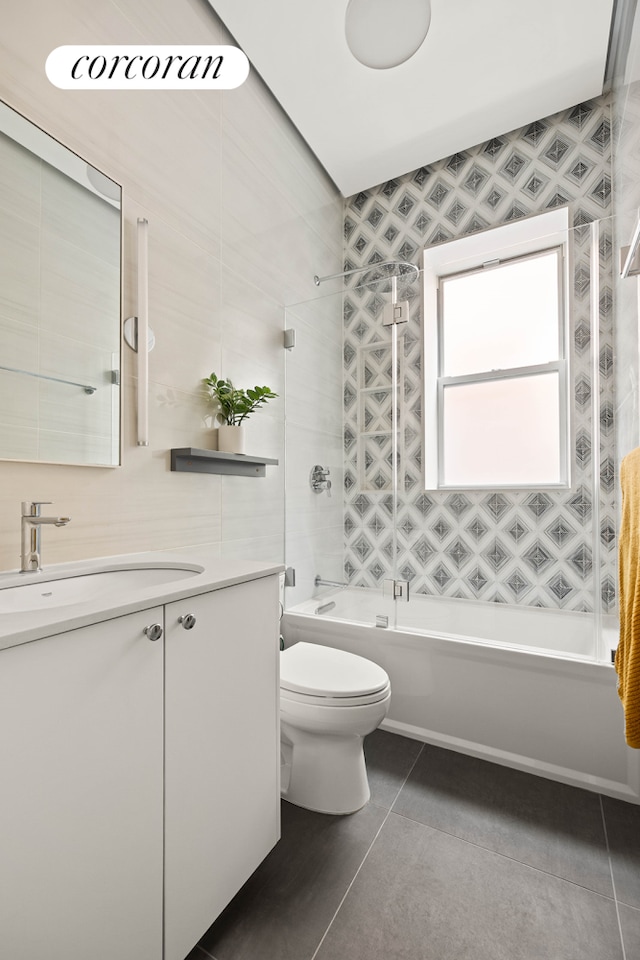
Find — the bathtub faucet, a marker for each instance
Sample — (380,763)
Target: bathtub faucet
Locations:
(324,608)
(30,536)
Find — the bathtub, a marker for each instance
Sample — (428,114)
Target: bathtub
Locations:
(511,684)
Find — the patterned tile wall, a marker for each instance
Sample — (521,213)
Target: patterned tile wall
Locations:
(532,547)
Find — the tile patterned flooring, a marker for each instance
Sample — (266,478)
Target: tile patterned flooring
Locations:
(454,858)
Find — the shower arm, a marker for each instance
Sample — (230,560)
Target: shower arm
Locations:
(371,266)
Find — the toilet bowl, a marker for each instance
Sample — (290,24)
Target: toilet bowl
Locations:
(329,701)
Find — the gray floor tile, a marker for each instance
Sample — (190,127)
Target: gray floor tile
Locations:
(424,895)
(285,907)
(623,832)
(630,923)
(389,759)
(548,825)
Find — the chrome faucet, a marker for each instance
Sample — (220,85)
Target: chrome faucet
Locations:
(31,521)
(319,479)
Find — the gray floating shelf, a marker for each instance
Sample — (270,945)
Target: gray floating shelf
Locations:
(191,460)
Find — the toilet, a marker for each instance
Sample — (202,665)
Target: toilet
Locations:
(329,701)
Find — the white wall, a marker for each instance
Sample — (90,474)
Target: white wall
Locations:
(626,183)
(241,217)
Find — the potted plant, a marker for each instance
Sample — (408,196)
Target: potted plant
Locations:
(233,406)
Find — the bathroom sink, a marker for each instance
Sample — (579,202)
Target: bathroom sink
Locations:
(40,594)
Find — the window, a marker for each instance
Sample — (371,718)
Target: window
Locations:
(496,369)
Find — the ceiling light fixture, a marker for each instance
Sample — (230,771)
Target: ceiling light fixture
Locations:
(385,33)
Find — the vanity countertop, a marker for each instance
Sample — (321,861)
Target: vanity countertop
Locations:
(213,572)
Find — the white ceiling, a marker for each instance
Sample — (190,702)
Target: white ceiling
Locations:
(485,68)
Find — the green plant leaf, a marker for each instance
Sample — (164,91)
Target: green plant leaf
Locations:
(233,404)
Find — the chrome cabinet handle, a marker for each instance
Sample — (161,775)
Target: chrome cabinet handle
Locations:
(188,621)
(153,631)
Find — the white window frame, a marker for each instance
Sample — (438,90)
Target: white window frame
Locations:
(523,238)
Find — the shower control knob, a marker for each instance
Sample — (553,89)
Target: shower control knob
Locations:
(154,631)
(188,621)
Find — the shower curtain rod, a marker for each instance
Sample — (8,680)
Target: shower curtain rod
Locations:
(370,266)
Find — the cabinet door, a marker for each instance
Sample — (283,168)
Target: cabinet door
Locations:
(222,803)
(81,794)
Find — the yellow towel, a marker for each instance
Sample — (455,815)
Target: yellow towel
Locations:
(627,660)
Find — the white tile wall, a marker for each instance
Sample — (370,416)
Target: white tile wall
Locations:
(626,183)
(20,187)
(19,269)
(241,216)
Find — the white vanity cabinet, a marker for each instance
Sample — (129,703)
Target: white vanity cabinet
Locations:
(81,794)
(222,797)
(138,778)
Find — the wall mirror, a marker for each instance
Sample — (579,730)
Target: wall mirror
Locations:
(60,264)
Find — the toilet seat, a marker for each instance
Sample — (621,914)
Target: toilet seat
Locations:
(310,672)
(289,696)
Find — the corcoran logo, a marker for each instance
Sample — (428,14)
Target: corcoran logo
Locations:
(130,67)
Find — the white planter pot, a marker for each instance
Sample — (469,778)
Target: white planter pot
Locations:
(231,438)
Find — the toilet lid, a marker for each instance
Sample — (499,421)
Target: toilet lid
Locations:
(319,671)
